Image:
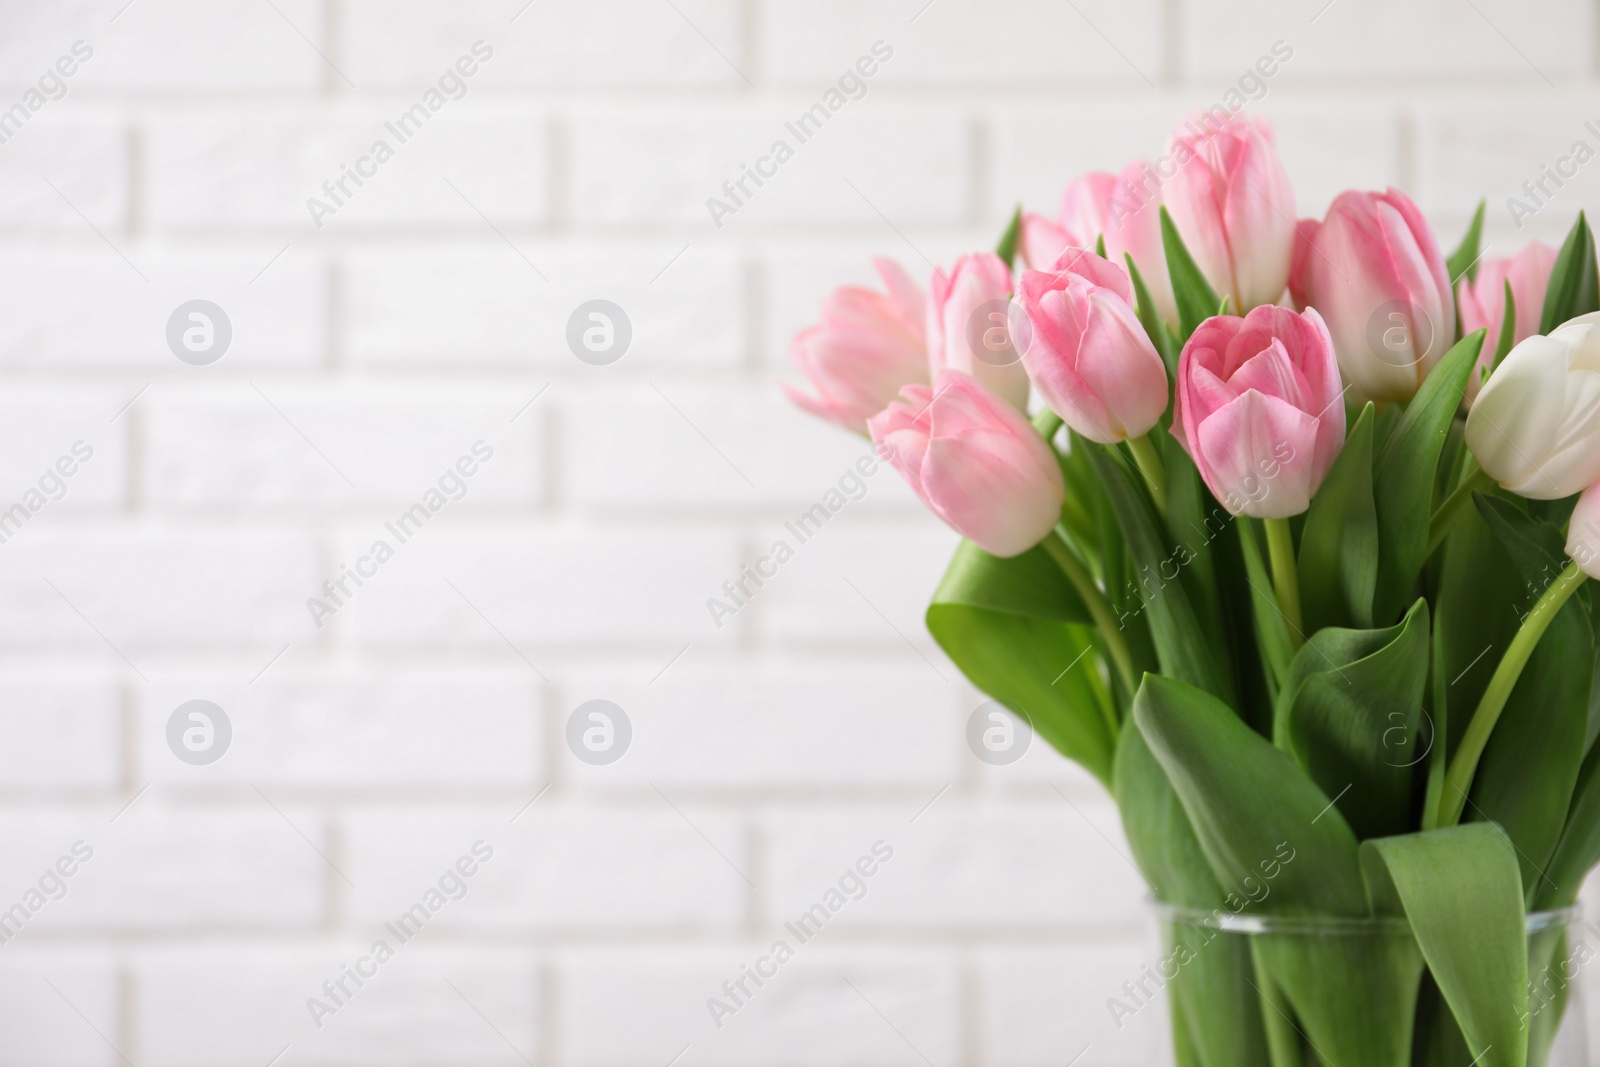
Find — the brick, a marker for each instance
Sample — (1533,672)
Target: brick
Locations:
(57,1026)
(39,428)
(62,732)
(151,589)
(222,447)
(1042,1003)
(623,1008)
(1490,151)
(348,730)
(460,305)
(86,159)
(894,568)
(966,41)
(91,309)
(1019,866)
(670,445)
(1355,39)
(260,170)
(539,586)
(606,43)
(177,44)
(240,1005)
(553,867)
(163,869)
(811,726)
(662,168)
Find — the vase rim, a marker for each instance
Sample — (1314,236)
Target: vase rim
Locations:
(1226,921)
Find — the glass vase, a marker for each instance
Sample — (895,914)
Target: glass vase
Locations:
(1269,991)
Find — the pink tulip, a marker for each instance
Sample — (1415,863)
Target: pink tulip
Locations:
(1041,242)
(1483,300)
(1092,361)
(1583,537)
(867,345)
(1259,409)
(1233,206)
(968,329)
(1125,210)
(975,461)
(1375,272)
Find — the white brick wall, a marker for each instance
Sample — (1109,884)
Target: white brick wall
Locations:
(431,710)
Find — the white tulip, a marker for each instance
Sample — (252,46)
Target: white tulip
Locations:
(1535,428)
(1583,537)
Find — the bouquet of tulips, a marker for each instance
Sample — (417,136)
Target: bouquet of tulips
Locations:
(1292,554)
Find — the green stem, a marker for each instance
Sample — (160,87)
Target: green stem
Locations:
(1455,505)
(1458,778)
(1150,465)
(1095,601)
(1285,575)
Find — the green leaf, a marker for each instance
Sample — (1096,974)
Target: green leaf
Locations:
(1271,625)
(1007,248)
(1245,799)
(1464,260)
(1183,647)
(1508,330)
(1402,487)
(1351,715)
(1339,543)
(1579,847)
(1261,821)
(1574,287)
(1195,298)
(1150,319)
(1013,626)
(1528,770)
(1461,892)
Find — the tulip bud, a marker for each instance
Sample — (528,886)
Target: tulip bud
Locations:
(1233,206)
(1375,272)
(1086,351)
(975,461)
(867,345)
(1535,427)
(1583,536)
(1258,408)
(1483,300)
(968,329)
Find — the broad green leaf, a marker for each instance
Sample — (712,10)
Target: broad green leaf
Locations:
(1339,542)
(1214,1009)
(1261,822)
(1183,647)
(1530,766)
(1245,799)
(1150,319)
(1007,248)
(1574,287)
(1195,298)
(1402,486)
(1351,715)
(1579,847)
(1195,520)
(1013,629)
(1461,892)
(1464,260)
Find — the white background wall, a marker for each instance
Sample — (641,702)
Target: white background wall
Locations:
(429,313)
